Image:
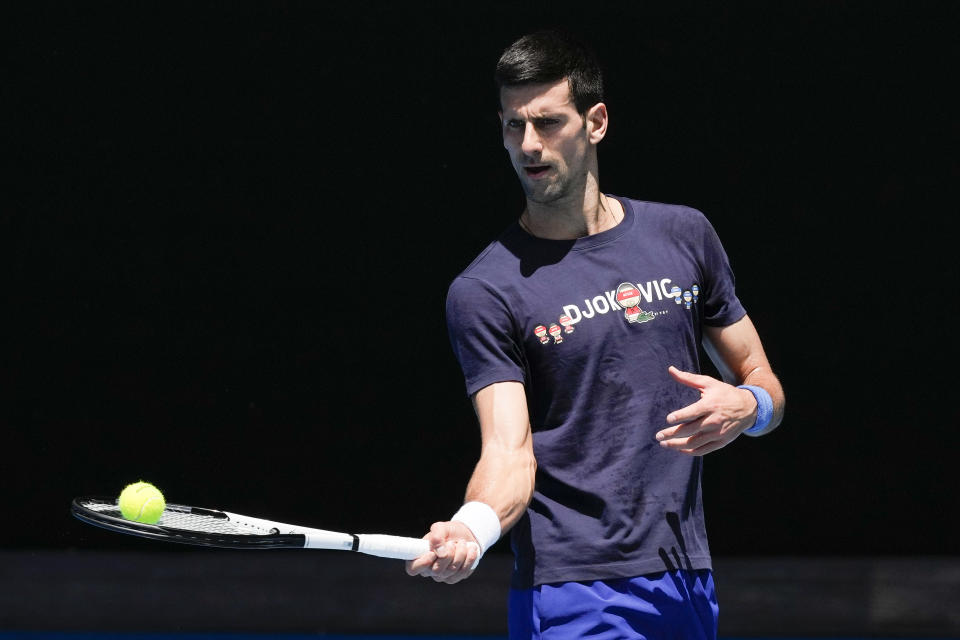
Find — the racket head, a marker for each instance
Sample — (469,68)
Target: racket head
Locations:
(185,525)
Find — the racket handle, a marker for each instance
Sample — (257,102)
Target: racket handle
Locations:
(398,547)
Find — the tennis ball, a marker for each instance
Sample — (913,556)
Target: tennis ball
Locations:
(142,502)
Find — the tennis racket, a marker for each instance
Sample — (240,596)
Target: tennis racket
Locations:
(213,528)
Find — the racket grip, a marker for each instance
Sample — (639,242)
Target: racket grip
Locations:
(398,547)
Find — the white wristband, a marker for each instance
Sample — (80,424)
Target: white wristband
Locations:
(482,521)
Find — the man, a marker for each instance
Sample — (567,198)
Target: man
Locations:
(577,331)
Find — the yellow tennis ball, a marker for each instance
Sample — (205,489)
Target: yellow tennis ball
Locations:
(142,502)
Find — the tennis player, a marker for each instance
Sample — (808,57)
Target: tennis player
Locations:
(578,332)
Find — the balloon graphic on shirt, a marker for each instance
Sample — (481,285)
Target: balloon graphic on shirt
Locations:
(541,332)
(695,290)
(555,332)
(567,323)
(688,299)
(627,295)
(675,292)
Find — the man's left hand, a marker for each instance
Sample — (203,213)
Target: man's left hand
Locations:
(721,414)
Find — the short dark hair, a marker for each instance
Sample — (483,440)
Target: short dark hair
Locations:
(550,56)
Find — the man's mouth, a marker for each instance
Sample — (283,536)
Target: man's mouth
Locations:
(537,170)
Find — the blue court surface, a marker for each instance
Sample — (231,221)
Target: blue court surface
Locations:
(93,635)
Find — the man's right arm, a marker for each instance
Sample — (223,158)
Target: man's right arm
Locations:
(503,480)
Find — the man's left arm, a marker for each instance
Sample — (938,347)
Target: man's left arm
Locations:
(725,410)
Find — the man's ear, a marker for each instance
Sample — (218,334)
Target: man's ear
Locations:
(596,121)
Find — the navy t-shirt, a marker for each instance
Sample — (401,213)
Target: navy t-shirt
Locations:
(590,326)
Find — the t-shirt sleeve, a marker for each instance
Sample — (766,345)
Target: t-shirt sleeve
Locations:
(482,335)
(722,307)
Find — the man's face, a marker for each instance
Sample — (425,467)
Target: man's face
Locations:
(547,139)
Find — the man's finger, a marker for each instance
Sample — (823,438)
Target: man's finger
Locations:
(685,444)
(439,532)
(457,562)
(694,380)
(708,447)
(445,554)
(702,448)
(699,444)
(683,430)
(688,413)
(421,566)
(690,444)
(473,555)
(462,563)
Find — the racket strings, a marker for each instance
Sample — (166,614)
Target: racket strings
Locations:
(185,520)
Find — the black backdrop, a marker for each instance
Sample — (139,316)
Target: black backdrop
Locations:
(230,228)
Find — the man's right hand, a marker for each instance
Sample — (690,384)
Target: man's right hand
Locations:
(454,551)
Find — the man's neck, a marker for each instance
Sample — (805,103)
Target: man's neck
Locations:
(582,214)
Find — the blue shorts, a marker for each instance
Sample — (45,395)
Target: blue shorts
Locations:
(673,604)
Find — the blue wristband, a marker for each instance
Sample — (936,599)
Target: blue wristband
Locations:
(764,408)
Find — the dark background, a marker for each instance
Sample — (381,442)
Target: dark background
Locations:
(230,228)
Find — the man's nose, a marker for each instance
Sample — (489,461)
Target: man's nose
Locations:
(531,144)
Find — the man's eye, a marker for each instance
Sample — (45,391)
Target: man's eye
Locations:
(544,123)
(514,124)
